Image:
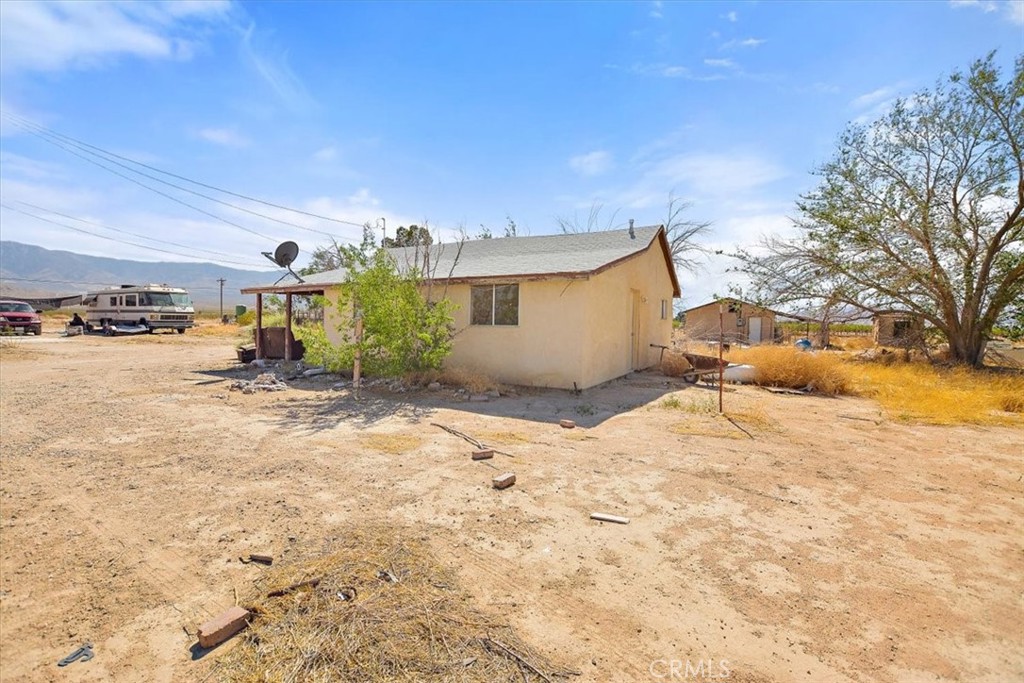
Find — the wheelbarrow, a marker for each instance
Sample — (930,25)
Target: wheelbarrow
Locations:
(705,368)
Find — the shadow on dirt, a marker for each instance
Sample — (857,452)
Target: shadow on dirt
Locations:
(321,403)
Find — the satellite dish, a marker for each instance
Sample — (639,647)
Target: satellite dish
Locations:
(284,256)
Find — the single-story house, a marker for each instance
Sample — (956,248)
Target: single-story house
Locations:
(742,322)
(558,311)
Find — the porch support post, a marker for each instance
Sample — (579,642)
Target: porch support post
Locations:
(288,326)
(259,325)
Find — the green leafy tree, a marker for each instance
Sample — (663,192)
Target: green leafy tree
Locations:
(402,330)
(412,236)
(918,212)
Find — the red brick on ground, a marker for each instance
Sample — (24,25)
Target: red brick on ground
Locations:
(222,627)
(503,481)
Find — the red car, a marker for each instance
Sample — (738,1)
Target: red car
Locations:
(18,315)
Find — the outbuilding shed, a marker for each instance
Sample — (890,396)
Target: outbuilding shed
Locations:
(742,322)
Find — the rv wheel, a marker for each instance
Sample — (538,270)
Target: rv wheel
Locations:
(181,330)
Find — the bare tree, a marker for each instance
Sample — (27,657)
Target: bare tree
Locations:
(592,223)
(682,235)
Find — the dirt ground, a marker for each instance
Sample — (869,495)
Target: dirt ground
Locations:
(828,545)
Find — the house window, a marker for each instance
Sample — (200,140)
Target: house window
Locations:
(494,305)
(664,309)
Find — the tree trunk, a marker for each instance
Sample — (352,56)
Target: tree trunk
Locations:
(967,348)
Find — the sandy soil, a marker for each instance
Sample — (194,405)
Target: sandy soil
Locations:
(830,545)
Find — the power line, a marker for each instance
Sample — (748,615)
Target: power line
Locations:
(127,232)
(77,282)
(153,189)
(41,131)
(114,239)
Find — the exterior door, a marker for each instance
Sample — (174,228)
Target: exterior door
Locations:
(635,330)
(755,330)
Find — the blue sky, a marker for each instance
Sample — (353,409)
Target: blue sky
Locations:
(457,114)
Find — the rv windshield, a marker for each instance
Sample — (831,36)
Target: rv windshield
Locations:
(163,299)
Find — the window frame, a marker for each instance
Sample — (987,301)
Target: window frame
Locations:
(492,318)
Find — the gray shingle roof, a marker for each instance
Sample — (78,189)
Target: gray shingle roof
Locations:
(518,256)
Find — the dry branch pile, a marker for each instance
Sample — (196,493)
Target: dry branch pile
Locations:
(674,364)
(374,606)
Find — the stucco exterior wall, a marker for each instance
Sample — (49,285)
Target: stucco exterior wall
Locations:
(702,323)
(608,351)
(543,350)
(570,330)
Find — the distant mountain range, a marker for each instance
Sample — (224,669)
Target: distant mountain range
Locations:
(32,271)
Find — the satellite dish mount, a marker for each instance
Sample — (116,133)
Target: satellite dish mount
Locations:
(284,256)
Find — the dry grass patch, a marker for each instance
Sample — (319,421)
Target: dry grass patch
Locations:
(504,438)
(783,366)
(396,444)
(918,392)
(216,329)
(375,606)
(16,350)
(754,417)
(718,428)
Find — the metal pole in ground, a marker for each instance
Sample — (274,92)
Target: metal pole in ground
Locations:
(221,281)
(721,342)
(357,366)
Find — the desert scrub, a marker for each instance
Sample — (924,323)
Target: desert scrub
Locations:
(919,392)
(784,366)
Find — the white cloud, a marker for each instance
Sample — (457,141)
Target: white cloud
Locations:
(746,42)
(874,97)
(329,153)
(665,71)
(592,163)
(25,167)
(656,8)
(225,137)
(731,16)
(715,175)
(720,63)
(51,36)
(1011,10)
(272,66)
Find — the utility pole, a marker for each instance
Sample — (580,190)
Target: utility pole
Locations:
(384,231)
(221,281)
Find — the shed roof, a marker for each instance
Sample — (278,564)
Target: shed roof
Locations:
(723,300)
(540,257)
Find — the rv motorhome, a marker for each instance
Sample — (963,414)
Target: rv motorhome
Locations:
(152,306)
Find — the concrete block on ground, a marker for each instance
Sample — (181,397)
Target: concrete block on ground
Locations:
(503,481)
(222,627)
(479,398)
(567,424)
(483,454)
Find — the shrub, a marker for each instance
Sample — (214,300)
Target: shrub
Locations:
(402,331)
(319,351)
(783,366)
(920,392)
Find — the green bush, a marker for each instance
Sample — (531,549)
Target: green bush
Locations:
(318,350)
(402,331)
